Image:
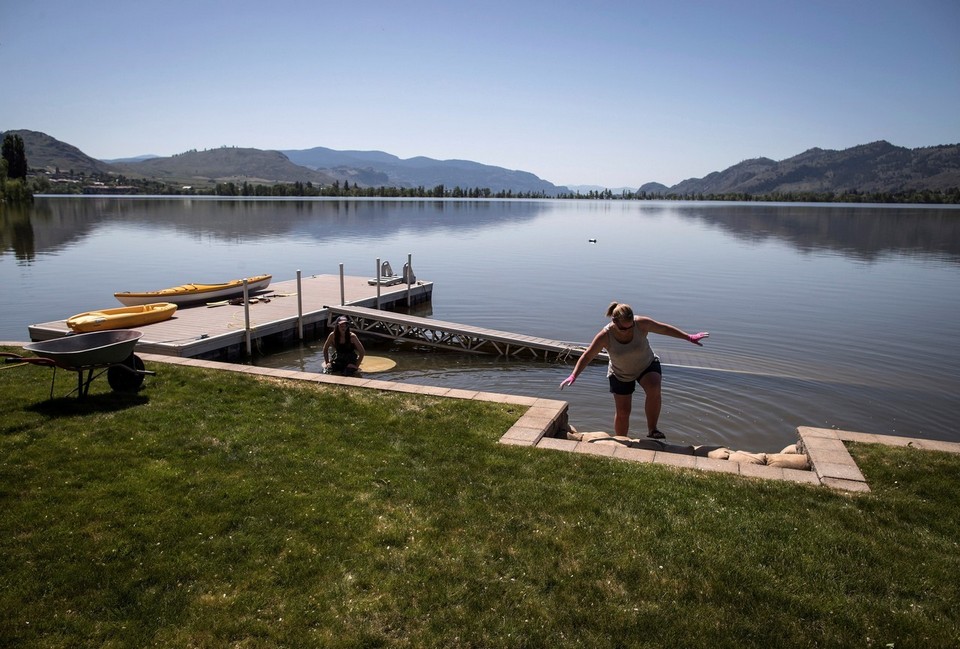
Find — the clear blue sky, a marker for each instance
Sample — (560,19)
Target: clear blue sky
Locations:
(612,93)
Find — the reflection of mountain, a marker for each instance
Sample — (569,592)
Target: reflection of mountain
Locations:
(860,232)
(54,223)
(855,231)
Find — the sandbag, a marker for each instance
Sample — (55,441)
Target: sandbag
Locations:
(711,451)
(748,458)
(589,437)
(792,449)
(611,441)
(789,461)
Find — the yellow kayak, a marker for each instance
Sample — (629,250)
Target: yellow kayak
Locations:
(195,292)
(122,317)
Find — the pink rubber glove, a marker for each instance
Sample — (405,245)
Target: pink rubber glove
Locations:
(696,338)
(568,381)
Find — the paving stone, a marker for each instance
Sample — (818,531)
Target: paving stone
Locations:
(674,459)
(806,477)
(594,449)
(841,471)
(524,434)
(823,444)
(830,456)
(810,431)
(937,445)
(717,465)
(634,454)
(846,485)
(513,442)
(461,394)
(557,444)
(761,471)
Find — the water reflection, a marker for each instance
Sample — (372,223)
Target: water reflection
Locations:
(861,232)
(16,232)
(55,223)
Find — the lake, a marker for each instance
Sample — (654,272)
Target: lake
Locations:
(822,315)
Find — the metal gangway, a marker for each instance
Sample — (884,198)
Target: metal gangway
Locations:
(455,336)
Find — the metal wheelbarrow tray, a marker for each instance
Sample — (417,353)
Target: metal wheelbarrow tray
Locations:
(108,351)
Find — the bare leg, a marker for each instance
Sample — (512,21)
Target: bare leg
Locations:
(653,401)
(621,420)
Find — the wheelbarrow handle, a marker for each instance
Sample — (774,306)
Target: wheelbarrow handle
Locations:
(33,360)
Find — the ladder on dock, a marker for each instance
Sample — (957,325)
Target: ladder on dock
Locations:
(451,335)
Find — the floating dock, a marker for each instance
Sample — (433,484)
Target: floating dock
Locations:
(288,314)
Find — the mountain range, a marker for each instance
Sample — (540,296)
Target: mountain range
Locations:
(874,167)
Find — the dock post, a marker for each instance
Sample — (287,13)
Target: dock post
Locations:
(246,316)
(299,307)
(378,283)
(409,275)
(342,298)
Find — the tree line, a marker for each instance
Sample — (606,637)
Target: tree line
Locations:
(949,196)
(15,186)
(308,189)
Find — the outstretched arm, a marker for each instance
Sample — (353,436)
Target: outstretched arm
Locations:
(586,358)
(652,326)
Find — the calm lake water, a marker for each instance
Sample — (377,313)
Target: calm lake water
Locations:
(820,315)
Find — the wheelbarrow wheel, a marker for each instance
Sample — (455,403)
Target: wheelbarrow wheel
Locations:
(126,376)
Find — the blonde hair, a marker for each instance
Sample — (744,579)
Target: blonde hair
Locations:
(619,311)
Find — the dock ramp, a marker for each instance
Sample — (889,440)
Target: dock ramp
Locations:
(454,336)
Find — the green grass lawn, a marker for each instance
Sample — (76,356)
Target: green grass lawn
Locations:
(216,509)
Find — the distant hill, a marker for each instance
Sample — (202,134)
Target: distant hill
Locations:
(228,164)
(139,158)
(653,188)
(50,154)
(875,167)
(389,170)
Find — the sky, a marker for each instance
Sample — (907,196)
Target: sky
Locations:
(609,93)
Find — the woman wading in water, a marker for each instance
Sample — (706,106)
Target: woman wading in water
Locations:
(632,362)
(347,350)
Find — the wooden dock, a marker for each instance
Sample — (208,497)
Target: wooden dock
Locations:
(221,332)
(455,336)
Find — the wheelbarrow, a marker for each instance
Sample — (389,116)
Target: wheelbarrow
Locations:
(99,351)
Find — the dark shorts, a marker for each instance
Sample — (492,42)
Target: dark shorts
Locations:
(629,387)
(340,362)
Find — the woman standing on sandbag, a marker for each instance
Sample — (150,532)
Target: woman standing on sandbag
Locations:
(632,362)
